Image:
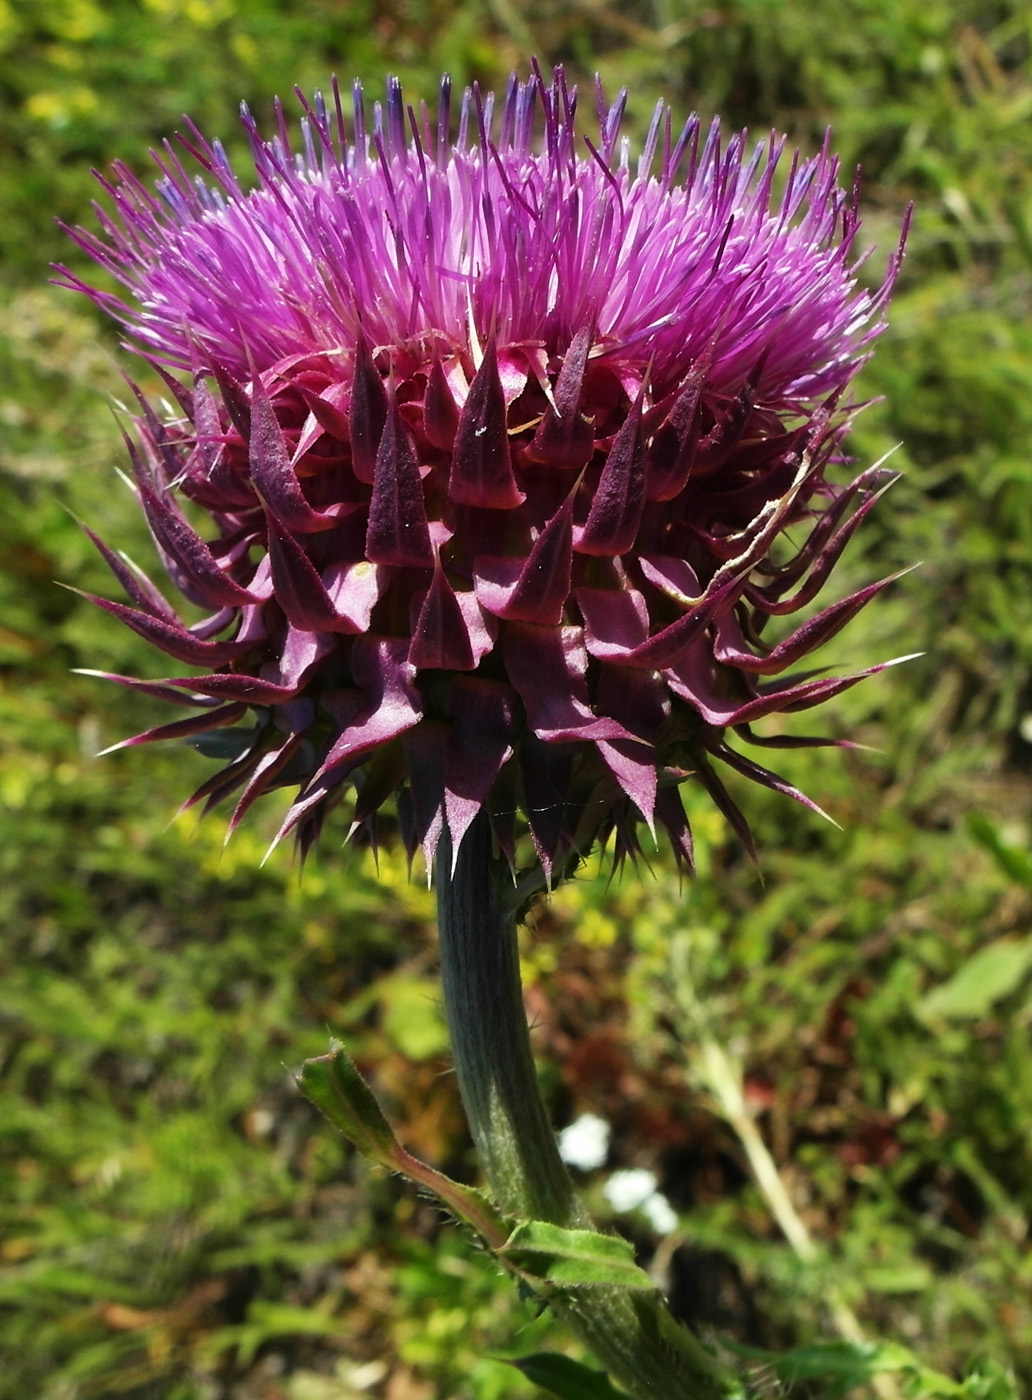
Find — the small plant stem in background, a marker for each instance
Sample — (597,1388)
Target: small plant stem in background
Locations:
(722,1077)
(628,1331)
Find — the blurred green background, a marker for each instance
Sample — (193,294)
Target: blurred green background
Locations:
(175,1222)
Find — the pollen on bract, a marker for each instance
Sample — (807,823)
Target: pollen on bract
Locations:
(500,431)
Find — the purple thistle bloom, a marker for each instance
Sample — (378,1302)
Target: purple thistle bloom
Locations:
(498,438)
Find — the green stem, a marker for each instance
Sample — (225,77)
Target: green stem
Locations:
(631,1333)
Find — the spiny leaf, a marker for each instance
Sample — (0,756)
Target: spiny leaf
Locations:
(575,1258)
(334,1085)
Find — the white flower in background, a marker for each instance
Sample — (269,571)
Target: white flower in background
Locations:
(637,1190)
(585,1143)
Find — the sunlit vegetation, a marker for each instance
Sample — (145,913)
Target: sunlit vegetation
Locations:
(175,1221)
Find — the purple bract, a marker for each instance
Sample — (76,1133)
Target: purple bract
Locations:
(499,439)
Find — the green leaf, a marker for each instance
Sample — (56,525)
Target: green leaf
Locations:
(269,1321)
(575,1258)
(898,1278)
(568,1379)
(1014,861)
(854,1362)
(337,1089)
(987,1379)
(988,975)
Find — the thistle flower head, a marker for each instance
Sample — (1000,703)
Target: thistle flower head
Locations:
(500,438)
